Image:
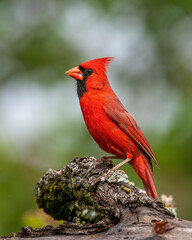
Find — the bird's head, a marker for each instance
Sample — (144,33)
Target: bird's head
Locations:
(90,75)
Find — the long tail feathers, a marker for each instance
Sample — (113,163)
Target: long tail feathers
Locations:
(150,187)
(143,168)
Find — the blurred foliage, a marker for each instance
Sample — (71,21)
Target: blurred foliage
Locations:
(16,181)
(40,40)
(38,218)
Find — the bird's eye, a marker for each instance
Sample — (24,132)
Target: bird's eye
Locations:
(89,71)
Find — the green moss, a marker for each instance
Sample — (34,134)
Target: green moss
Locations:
(66,201)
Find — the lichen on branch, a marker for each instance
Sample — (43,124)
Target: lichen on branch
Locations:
(77,194)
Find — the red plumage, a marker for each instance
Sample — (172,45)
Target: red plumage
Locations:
(109,123)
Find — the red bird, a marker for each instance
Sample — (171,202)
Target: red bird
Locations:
(109,123)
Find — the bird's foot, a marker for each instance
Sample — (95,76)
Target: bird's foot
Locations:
(105,175)
(121,171)
(107,159)
(103,159)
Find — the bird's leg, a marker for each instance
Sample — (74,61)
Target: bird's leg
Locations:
(121,164)
(115,168)
(103,158)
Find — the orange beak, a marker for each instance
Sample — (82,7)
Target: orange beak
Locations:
(75,73)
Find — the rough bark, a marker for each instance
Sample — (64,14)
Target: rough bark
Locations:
(99,208)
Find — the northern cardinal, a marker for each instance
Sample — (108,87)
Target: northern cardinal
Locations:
(109,123)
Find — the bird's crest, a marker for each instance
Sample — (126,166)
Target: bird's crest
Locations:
(99,63)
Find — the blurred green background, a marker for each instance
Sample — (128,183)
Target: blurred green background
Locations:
(41,125)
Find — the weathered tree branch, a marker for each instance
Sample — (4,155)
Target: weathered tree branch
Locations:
(106,209)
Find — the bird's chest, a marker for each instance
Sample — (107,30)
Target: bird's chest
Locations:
(101,128)
(94,116)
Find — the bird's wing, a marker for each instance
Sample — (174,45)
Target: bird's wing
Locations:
(119,115)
